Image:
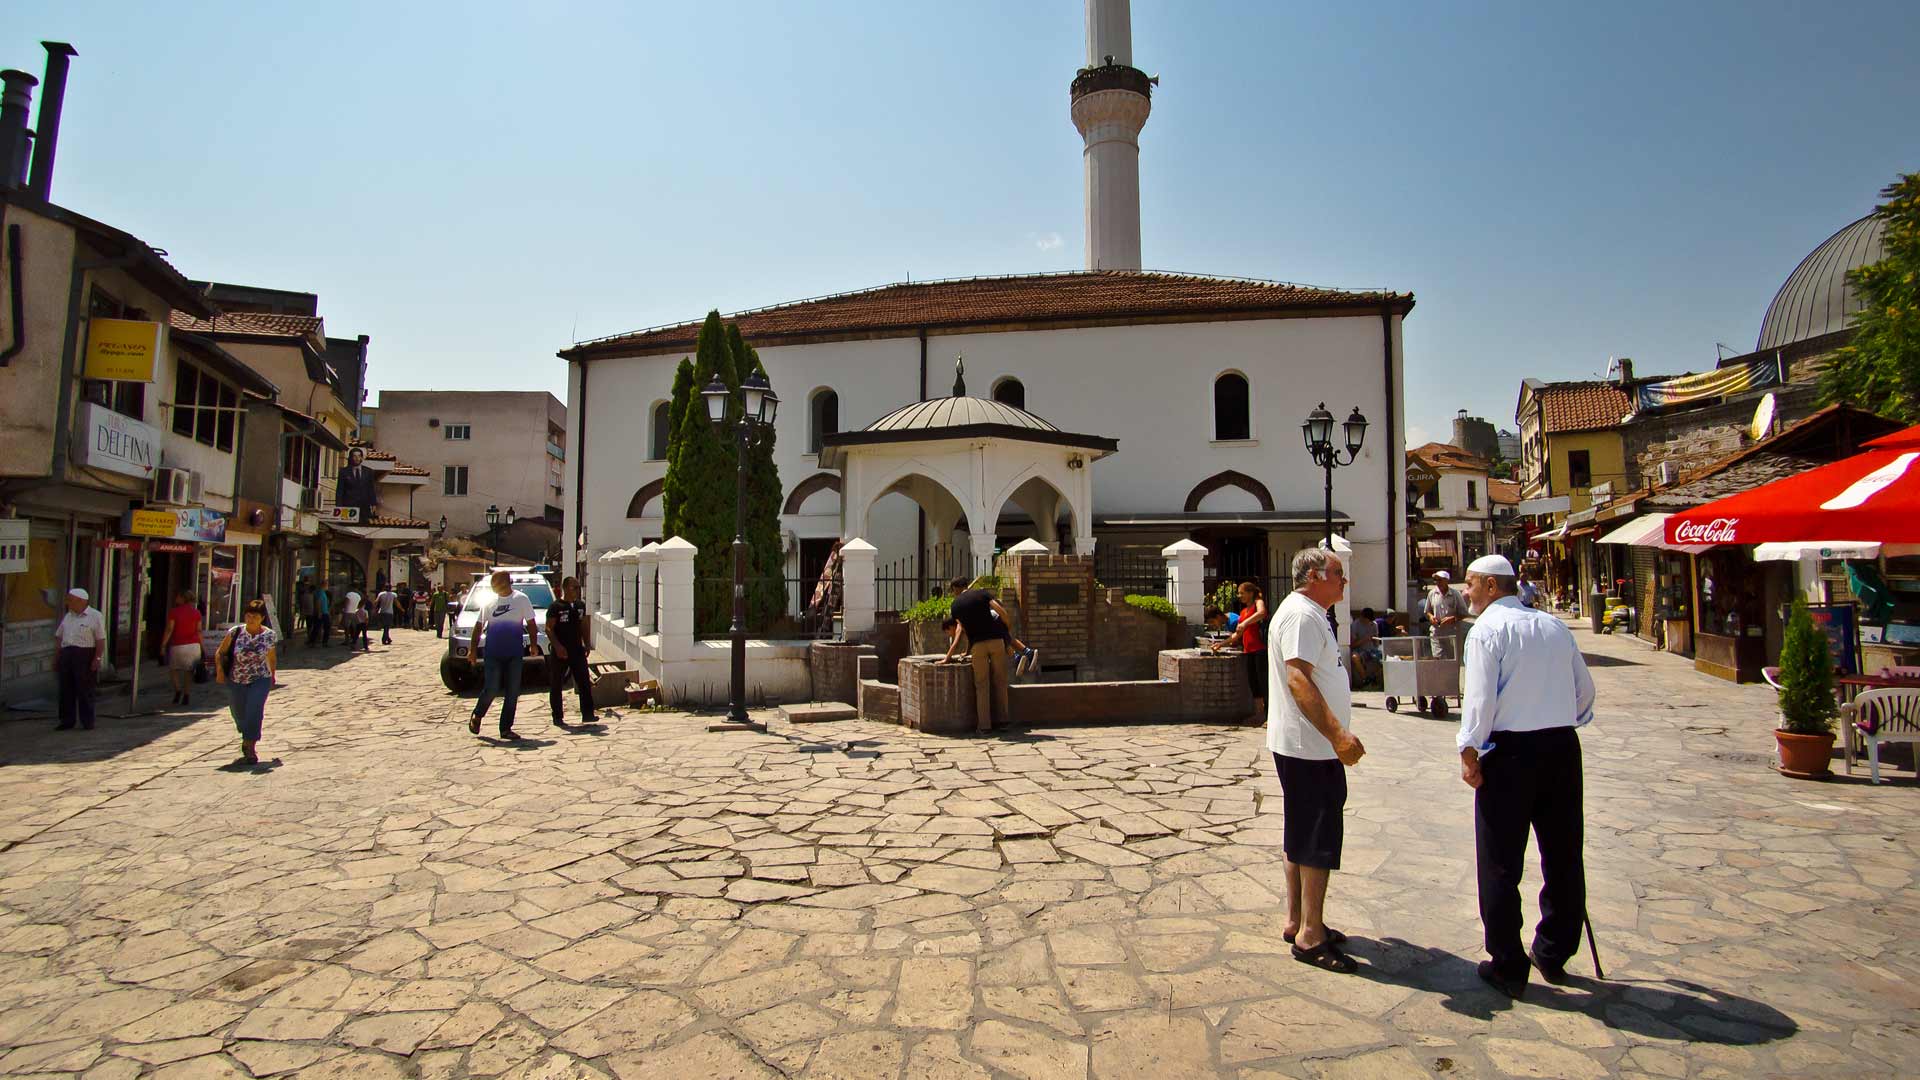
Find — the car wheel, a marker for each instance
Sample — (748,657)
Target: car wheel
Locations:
(457,677)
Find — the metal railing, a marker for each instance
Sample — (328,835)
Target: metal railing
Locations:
(1139,575)
(904,582)
(777,607)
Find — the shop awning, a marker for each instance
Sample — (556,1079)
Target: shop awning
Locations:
(1558,532)
(1434,549)
(1648,530)
(1873,496)
(1830,549)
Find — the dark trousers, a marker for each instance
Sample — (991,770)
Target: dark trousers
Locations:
(1531,780)
(500,677)
(557,671)
(319,629)
(386,628)
(73,669)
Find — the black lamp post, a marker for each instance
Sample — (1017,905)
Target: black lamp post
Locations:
(494,520)
(1317,430)
(761,403)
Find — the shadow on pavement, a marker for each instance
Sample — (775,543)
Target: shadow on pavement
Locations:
(36,742)
(1661,1009)
(256,767)
(1596,660)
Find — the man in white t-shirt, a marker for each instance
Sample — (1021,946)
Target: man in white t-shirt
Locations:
(502,635)
(1308,717)
(383,606)
(81,637)
(354,620)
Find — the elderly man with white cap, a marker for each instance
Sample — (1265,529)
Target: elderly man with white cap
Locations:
(1446,611)
(82,639)
(1525,688)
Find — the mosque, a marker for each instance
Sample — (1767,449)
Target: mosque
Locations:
(1108,411)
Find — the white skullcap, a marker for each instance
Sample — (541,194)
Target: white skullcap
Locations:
(1497,565)
(1443,575)
(79,594)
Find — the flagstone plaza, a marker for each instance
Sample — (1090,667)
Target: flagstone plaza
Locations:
(644,899)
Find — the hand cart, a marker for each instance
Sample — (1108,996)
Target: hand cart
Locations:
(1414,672)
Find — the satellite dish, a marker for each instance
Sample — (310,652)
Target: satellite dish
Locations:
(1763,417)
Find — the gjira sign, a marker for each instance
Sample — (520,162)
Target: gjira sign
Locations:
(1717,531)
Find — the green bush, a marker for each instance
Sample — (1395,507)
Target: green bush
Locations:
(1155,605)
(1806,673)
(934,609)
(1225,595)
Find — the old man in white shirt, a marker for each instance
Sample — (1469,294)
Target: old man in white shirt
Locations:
(1524,690)
(82,639)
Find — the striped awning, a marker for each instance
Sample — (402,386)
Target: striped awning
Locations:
(1648,530)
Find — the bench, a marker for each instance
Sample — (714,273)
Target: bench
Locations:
(1891,714)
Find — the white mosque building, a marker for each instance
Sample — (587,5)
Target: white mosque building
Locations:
(1186,392)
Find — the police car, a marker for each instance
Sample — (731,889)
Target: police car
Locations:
(459,668)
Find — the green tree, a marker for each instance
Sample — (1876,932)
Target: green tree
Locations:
(1806,675)
(700,477)
(1879,368)
(766,561)
(685,393)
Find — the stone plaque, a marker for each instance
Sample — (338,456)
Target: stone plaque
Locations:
(1050,595)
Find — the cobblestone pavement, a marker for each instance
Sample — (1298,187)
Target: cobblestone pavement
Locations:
(643,899)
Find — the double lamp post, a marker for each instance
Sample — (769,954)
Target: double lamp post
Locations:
(494,520)
(1317,430)
(755,419)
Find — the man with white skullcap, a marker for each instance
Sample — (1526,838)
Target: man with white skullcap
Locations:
(1524,690)
(81,636)
(1446,612)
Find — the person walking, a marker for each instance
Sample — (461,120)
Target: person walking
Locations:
(1251,632)
(1527,592)
(303,603)
(976,610)
(384,606)
(505,624)
(1308,733)
(180,646)
(81,637)
(352,620)
(570,634)
(247,663)
(321,628)
(1525,690)
(438,610)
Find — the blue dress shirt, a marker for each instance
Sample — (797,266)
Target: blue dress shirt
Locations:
(1522,672)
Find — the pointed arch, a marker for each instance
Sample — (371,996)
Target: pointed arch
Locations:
(818,482)
(1229,478)
(636,506)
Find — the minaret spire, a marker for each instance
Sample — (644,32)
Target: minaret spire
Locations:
(1111,99)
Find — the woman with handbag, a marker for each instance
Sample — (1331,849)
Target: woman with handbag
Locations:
(180,646)
(247,664)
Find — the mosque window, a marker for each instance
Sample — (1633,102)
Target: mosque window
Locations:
(823,419)
(657,445)
(1232,416)
(1012,392)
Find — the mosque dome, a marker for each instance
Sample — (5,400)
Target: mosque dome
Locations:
(1816,299)
(958,412)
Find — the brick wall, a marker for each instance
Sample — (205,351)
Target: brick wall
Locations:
(1694,438)
(1127,641)
(1060,631)
(834,669)
(937,698)
(878,701)
(1212,687)
(1102,702)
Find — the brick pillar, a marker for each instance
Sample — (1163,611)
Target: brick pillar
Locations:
(649,564)
(857,595)
(675,559)
(1186,566)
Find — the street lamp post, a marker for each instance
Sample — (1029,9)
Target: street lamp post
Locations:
(757,416)
(494,520)
(1317,430)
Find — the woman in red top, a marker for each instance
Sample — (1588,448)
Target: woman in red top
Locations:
(1251,633)
(180,646)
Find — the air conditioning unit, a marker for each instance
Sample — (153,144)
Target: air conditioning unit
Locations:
(174,486)
(1669,472)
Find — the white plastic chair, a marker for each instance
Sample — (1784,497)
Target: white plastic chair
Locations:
(1890,714)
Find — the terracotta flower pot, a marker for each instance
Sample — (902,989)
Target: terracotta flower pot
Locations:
(1804,756)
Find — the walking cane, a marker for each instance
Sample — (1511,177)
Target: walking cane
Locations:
(1598,972)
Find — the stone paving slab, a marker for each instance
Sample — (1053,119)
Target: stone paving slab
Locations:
(391,897)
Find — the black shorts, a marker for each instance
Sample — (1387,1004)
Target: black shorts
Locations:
(1256,672)
(1313,798)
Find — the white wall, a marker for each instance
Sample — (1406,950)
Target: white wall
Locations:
(1150,387)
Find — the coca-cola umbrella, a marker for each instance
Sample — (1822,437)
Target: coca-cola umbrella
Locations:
(1871,497)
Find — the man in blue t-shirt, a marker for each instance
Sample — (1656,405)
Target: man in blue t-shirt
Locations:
(502,635)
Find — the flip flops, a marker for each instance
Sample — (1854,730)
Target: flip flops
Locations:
(1333,935)
(1327,958)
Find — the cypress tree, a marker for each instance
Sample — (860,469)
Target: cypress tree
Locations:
(685,393)
(704,462)
(766,562)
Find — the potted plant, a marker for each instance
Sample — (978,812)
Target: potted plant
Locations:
(1807,709)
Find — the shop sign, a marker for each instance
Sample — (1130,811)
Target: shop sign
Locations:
(121,545)
(193,523)
(122,349)
(341,515)
(104,439)
(13,545)
(170,547)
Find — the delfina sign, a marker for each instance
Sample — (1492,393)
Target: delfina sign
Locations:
(196,524)
(122,349)
(104,439)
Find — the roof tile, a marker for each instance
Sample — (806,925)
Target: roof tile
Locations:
(1582,406)
(1439,455)
(250,322)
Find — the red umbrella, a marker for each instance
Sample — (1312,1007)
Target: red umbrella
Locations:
(1872,496)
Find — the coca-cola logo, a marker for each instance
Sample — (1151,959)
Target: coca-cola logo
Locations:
(1717,531)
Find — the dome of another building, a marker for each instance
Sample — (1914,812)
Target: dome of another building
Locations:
(952,412)
(1816,300)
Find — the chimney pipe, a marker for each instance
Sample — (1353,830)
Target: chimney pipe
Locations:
(46,132)
(16,96)
(1626,371)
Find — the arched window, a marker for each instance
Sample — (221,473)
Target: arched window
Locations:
(824,419)
(1011,392)
(657,446)
(1231,415)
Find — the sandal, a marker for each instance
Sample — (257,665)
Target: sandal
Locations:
(1326,957)
(1333,935)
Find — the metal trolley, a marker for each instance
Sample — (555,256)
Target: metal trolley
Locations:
(1413,671)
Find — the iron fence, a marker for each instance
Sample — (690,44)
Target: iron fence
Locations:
(777,607)
(1138,574)
(904,582)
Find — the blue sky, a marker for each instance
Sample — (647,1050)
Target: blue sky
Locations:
(476,186)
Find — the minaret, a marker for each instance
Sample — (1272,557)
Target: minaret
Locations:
(1111,99)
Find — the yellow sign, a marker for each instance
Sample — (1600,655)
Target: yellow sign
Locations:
(122,349)
(153,523)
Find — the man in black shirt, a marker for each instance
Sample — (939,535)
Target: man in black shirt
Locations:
(976,609)
(570,634)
